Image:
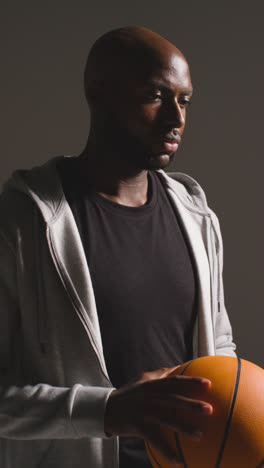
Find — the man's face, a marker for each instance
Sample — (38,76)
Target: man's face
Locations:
(146,113)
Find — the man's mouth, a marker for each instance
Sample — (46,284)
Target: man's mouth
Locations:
(170,145)
(172,137)
(170,141)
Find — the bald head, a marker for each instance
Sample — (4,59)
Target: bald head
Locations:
(123,52)
(138,87)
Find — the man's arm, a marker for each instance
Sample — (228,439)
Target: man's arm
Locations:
(38,411)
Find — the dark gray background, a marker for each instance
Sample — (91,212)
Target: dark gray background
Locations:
(43,51)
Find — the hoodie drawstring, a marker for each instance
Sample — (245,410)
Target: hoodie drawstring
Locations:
(41,300)
(216,241)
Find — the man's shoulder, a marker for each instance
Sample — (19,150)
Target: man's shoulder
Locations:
(185,182)
(26,190)
(186,188)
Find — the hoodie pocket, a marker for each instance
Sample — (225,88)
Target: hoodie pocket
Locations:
(25,453)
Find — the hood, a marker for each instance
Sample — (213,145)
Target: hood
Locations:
(187,190)
(42,184)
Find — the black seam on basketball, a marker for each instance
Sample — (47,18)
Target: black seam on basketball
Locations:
(180,450)
(222,448)
(261,464)
(177,440)
(153,456)
(185,367)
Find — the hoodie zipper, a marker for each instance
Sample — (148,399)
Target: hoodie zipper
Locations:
(68,287)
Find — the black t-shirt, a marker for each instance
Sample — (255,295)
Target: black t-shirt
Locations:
(143,280)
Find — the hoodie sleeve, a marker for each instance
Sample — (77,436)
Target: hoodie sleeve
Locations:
(38,411)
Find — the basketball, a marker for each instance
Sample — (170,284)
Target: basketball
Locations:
(233,436)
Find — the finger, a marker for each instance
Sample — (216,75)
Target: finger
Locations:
(170,402)
(177,384)
(179,416)
(196,380)
(160,373)
(165,372)
(190,430)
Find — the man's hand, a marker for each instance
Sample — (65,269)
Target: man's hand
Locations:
(156,398)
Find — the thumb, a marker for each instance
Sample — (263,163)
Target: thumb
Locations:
(160,373)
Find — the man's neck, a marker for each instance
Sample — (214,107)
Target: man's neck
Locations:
(114,179)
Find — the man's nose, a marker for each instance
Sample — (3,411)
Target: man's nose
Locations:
(175,113)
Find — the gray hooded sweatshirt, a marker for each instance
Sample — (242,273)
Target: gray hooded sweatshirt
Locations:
(54,383)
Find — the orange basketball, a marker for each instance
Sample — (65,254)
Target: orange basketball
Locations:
(233,436)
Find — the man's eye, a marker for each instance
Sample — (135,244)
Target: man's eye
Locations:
(185,103)
(154,97)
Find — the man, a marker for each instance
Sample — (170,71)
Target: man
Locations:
(111,275)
